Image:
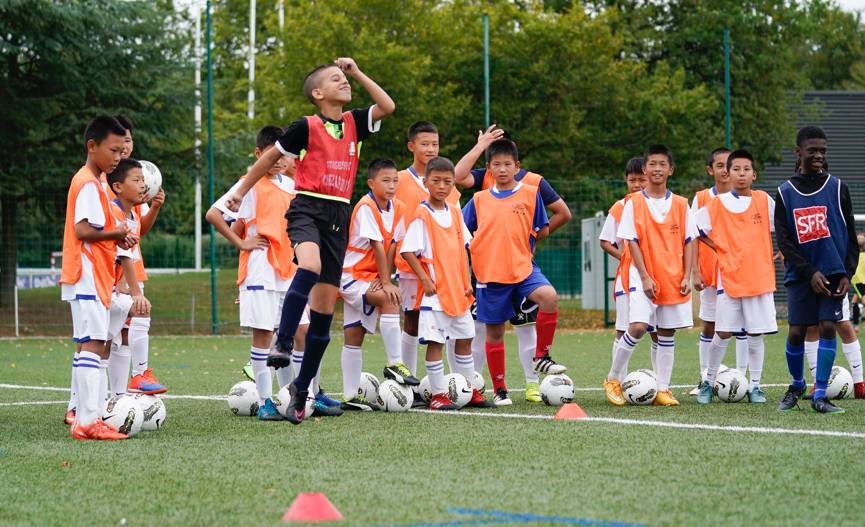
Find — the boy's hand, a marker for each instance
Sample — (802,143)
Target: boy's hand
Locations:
(429,288)
(232,201)
(347,65)
(254,242)
(140,305)
(159,199)
(119,232)
(819,283)
(649,287)
(469,291)
(843,287)
(392,293)
(685,286)
(485,139)
(697,279)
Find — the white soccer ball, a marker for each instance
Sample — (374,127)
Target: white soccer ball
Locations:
(282,398)
(840,383)
(243,399)
(152,178)
(640,387)
(557,390)
(459,389)
(649,372)
(721,368)
(154,411)
(124,413)
(478,382)
(394,397)
(424,389)
(731,386)
(368,386)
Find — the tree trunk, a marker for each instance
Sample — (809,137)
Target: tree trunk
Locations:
(9,251)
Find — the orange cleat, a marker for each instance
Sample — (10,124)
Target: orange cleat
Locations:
(146,383)
(98,430)
(70,417)
(665,398)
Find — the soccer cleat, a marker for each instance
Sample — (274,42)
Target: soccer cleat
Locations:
(478,401)
(359,403)
(70,417)
(146,383)
(547,365)
(501,398)
(321,409)
(533,392)
(613,389)
(247,371)
(440,401)
(280,358)
(418,402)
(268,412)
(810,395)
(756,395)
(705,394)
(696,389)
(296,410)
(859,390)
(665,398)
(327,401)
(98,430)
(790,401)
(824,406)
(401,374)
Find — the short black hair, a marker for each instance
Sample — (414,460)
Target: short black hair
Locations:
(377,165)
(634,166)
(711,159)
(658,149)
(313,79)
(118,175)
(100,127)
(421,127)
(267,136)
(504,147)
(124,121)
(439,164)
(809,132)
(739,154)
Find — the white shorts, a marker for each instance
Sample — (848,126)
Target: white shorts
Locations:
(708,303)
(622,320)
(754,314)
(438,326)
(89,320)
(356,312)
(118,314)
(845,309)
(664,316)
(408,288)
(262,309)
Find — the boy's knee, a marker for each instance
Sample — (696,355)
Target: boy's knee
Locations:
(827,329)
(546,298)
(796,335)
(724,334)
(637,329)
(495,333)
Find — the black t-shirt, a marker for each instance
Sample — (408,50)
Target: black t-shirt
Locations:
(296,136)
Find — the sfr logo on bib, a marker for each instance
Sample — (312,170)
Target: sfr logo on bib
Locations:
(811,224)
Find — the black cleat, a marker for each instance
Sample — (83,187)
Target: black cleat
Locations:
(824,406)
(296,406)
(791,399)
(280,355)
(401,374)
(360,403)
(419,402)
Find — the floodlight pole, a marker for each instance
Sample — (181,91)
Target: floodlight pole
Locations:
(486,71)
(250,111)
(728,140)
(198,137)
(214,319)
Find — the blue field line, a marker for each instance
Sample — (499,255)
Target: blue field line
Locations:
(500,517)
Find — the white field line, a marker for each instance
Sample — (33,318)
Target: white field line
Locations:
(30,403)
(166,396)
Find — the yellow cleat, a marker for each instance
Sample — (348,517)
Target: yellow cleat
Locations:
(533,393)
(613,389)
(665,398)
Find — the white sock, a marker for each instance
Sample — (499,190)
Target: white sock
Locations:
(811,355)
(451,349)
(315,385)
(756,354)
(87,372)
(622,355)
(352,367)
(527,342)
(716,355)
(705,344)
(653,355)
(139,343)
(284,376)
(666,354)
(391,336)
(73,386)
(103,382)
(743,351)
(118,369)
(435,370)
(263,379)
(409,352)
(296,361)
(465,366)
(479,345)
(853,354)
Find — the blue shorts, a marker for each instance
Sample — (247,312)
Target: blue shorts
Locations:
(496,301)
(807,308)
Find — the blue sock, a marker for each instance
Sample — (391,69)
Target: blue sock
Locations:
(825,358)
(796,363)
(317,339)
(293,306)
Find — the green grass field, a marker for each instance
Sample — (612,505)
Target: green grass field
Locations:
(208,467)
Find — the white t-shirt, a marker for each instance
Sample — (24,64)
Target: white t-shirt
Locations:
(608,231)
(227,214)
(658,208)
(87,207)
(417,241)
(259,272)
(365,229)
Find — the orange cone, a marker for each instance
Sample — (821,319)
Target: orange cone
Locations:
(570,412)
(310,507)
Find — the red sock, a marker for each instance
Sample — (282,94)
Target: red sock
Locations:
(546,329)
(496,364)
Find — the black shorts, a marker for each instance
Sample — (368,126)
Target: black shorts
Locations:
(323,222)
(526,312)
(806,308)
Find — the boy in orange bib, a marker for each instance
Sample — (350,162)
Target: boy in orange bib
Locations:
(435,249)
(660,231)
(738,226)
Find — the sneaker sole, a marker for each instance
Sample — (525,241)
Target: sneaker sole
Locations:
(502,403)
(834,412)
(149,392)
(278,362)
(356,408)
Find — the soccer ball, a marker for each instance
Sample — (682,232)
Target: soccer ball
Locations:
(459,389)
(640,387)
(124,413)
(424,389)
(840,383)
(731,386)
(243,399)
(394,397)
(557,390)
(368,386)
(722,367)
(281,399)
(154,411)
(649,372)
(478,382)
(152,179)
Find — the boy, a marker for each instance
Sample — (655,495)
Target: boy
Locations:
(526,312)
(660,231)
(90,240)
(507,220)
(435,249)
(376,228)
(816,235)
(423,143)
(738,226)
(318,217)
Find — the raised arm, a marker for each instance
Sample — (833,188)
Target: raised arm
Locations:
(384,105)
(463,169)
